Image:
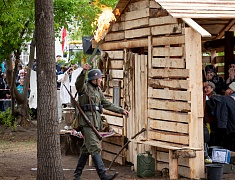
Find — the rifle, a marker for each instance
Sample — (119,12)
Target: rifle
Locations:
(84,115)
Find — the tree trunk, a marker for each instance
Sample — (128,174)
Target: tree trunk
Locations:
(48,144)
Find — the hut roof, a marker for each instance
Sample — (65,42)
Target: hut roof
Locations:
(211,18)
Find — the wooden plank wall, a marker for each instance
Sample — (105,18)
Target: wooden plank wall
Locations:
(168,98)
(144,25)
(112,145)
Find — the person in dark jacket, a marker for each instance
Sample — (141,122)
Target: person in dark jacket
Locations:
(92,100)
(211,75)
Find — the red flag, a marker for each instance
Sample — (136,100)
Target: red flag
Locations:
(63,37)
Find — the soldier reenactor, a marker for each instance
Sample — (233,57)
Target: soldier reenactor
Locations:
(92,100)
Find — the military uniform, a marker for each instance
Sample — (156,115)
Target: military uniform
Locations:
(91,96)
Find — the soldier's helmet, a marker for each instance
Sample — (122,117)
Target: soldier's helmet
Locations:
(94,74)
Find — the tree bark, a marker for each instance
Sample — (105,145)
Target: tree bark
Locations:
(48,144)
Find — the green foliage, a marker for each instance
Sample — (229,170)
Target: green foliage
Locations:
(7,119)
(17,25)
(79,56)
(78,16)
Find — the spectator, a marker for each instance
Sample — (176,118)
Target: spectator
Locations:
(209,89)
(231,90)
(20,87)
(2,87)
(231,77)
(211,75)
(20,76)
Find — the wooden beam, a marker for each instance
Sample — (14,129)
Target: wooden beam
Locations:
(196,27)
(171,83)
(169,94)
(180,106)
(184,154)
(228,51)
(173,166)
(193,57)
(227,28)
(169,115)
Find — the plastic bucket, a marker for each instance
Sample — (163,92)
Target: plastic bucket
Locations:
(214,171)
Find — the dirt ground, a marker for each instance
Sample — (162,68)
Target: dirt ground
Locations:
(18,159)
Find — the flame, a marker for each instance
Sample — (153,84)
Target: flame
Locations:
(103,23)
(117,12)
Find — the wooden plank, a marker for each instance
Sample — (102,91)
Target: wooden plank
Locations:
(169,73)
(173,166)
(168,51)
(165,145)
(137,14)
(143,22)
(220,69)
(168,137)
(169,105)
(109,92)
(116,64)
(168,40)
(206,59)
(219,59)
(136,33)
(117,121)
(143,42)
(166,29)
(153,4)
(118,74)
(108,156)
(115,54)
(144,94)
(110,147)
(164,157)
(193,51)
(117,129)
(118,26)
(184,154)
(168,126)
(106,112)
(114,140)
(169,94)
(138,5)
(165,83)
(168,62)
(162,21)
(150,46)
(114,36)
(169,115)
(197,27)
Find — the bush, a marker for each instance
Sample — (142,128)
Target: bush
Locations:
(7,119)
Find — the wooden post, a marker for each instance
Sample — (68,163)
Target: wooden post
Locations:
(193,56)
(173,166)
(228,51)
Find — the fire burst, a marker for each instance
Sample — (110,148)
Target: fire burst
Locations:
(103,23)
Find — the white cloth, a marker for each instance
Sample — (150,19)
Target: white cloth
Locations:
(33,90)
(64,95)
(74,76)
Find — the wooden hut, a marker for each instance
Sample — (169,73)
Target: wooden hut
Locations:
(154,68)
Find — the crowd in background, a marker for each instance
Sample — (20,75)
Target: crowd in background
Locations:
(62,68)
(219,108)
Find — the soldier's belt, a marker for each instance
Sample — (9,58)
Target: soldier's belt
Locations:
(87,107)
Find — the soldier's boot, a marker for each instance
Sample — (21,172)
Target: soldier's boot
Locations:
(80,166)
(100,168)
